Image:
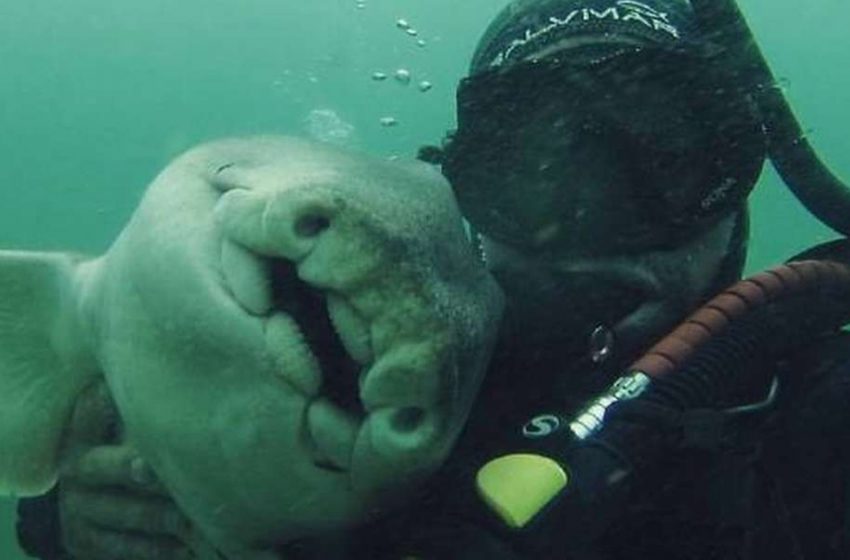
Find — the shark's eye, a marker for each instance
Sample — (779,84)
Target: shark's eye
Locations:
(224,167)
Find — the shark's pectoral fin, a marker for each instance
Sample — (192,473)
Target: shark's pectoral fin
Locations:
(44,364)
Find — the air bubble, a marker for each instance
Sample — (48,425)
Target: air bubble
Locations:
(402,76)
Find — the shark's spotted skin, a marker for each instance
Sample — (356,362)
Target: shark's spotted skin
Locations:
(293,336)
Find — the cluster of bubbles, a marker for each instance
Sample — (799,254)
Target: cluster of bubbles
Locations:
(405,26)
(325,125)
(403,76)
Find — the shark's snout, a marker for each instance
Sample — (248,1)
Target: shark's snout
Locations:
(303,257)
(292,333)
(283,222)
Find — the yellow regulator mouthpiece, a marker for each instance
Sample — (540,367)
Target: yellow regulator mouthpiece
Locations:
(517,487)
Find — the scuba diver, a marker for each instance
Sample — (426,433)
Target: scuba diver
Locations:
(604,154)
(643,402)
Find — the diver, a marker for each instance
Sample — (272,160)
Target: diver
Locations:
(604,153)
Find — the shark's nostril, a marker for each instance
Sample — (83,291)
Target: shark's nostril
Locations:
(407,419)
(311,225)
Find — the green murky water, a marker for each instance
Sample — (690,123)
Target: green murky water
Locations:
(96,96)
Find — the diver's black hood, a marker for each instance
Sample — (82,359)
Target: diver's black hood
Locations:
(528,27)
(714,29)
(608,64)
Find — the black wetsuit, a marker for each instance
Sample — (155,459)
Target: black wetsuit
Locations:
(779,492)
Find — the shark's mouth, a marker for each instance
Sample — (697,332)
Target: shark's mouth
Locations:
(308,307)
(320,345)
(356,344)
(326,342)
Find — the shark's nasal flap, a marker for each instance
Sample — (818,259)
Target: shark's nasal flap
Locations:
(42,367)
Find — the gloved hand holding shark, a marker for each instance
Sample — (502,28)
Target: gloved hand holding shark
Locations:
(293,337)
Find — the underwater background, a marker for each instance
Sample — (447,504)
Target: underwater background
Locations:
(96,96)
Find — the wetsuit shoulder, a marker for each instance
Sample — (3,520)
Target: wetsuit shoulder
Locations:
(807,454)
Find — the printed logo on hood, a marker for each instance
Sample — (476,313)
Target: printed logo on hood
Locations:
(629,12)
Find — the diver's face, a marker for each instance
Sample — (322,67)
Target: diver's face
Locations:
(566,192)
(550,155)
(560,237)
(558,296)
(568,186)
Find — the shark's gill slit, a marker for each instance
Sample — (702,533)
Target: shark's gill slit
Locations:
(308,308)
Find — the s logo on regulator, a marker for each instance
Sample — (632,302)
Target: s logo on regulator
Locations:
(541,426)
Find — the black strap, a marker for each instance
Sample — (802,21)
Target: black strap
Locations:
(38,528)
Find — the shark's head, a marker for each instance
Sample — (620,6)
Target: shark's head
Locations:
(293,335)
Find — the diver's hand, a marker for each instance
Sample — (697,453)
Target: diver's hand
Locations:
(111,506)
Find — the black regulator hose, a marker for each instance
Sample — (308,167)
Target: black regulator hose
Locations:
(722,356)
(811,181)
(708,368)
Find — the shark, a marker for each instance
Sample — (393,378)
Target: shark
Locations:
(293,336)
